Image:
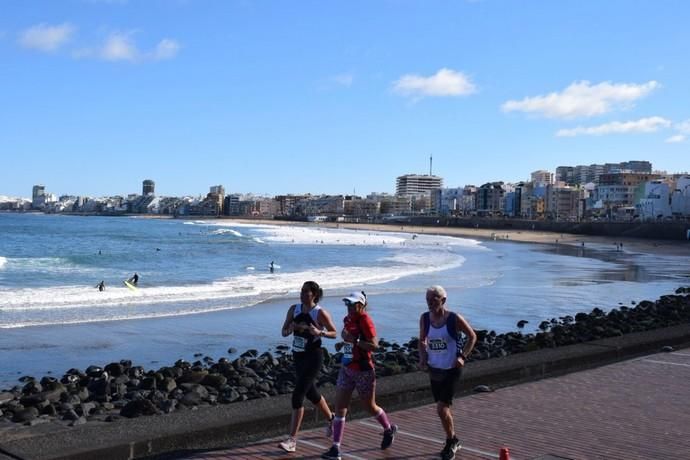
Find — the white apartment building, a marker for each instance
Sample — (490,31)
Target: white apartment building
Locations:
(680,198)
(655,203)
(447,201)
(563,202)
(415,184)
(542,177)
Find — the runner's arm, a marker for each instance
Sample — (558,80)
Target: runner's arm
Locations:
(370,341)
(287,325)
(422,345)
(326,321)
(464,326)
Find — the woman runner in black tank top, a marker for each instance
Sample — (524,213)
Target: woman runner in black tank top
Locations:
(303,340)
(308,323)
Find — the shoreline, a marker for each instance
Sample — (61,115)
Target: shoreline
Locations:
(105,393)
(660,246)
(123,390)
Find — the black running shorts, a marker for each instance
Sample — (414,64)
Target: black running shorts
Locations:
(443,383)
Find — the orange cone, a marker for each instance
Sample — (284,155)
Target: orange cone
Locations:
(504,454)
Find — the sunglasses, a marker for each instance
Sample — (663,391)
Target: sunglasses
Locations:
(349,303)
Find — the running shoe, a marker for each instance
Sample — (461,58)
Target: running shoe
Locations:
(452,445)
(388,436)
(289,445)
(329,428)
(332,454)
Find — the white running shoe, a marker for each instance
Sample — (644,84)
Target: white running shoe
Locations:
(289,445)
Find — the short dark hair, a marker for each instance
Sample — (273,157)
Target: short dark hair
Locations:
(315,289)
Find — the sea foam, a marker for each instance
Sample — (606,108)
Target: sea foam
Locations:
(410,255)
(76,304)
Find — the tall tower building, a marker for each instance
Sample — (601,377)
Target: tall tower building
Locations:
(565,174)
(542,177)
(216,196)
(415,184)
(148,187)
(218,190)
(38,190)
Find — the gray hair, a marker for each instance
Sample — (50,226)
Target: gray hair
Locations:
(438,290)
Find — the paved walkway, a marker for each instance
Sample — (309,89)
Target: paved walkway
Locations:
(637,409)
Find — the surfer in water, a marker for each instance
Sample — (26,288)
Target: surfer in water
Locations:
(271,267)
(101,286)
(134,279)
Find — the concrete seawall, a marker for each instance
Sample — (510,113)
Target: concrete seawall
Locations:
(227,425)
(674,230)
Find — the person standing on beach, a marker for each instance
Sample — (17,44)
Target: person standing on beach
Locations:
(357,371)
(443,355)
(308,322)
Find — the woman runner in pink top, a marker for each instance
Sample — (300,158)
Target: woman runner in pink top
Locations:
(357,371)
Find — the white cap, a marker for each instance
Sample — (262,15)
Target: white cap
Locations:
(356,297)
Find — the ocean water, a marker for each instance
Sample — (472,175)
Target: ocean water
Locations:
(206,286)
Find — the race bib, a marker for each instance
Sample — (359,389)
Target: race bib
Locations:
(347,353)
(299,343)
(437,345)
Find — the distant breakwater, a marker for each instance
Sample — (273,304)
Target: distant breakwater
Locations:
(123,390)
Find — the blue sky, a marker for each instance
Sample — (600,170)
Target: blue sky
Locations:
(334,96)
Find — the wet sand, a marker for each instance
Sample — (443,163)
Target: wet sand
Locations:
(647,246)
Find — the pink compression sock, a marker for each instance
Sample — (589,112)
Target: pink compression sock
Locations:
(338,429)
(382,418)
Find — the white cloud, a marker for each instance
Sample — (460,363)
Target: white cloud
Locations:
(683,127)
(43,37)
(343,79)
(675,139)
(119,47)
(582,99)
(166,49)
(643,125)
(445,82)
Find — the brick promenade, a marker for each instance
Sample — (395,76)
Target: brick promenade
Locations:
(637,409)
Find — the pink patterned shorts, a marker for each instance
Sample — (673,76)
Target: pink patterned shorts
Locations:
(363,381)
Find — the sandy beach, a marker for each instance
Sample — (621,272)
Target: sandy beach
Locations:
(648,246)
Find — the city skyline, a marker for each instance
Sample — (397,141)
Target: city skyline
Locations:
(328,98)
(574,175)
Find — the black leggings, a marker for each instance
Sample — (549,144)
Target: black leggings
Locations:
(307,366)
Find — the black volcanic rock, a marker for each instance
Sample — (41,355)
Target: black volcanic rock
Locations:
(132,391)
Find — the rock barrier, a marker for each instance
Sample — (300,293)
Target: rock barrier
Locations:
(121,389)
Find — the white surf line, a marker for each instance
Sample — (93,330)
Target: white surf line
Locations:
(324,448)
(425,438)
(665,362)
(675,353)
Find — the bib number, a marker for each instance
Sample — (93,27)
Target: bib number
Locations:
(347,354)
(437,345)
(298,343)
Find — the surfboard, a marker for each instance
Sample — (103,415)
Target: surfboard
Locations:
(130,285)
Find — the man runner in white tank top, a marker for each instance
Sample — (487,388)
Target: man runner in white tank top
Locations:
(442,354)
